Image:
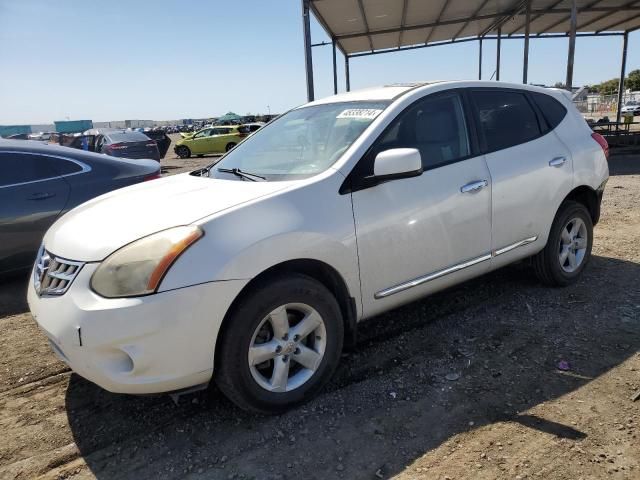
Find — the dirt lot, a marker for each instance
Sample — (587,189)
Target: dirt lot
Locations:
(463,384)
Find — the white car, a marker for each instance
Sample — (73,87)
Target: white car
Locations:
(632,108)
(255,271)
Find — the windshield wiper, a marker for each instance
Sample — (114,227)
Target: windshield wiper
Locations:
(242,174)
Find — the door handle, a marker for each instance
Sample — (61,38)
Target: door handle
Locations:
(557,162)
(41,196)
(474,186)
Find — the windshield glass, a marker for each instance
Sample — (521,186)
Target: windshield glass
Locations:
(300,143)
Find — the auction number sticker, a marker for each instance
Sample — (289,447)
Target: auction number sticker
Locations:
(368,113)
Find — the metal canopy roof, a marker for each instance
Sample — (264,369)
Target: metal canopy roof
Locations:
(365,26)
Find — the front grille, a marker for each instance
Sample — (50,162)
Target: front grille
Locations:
(53,275)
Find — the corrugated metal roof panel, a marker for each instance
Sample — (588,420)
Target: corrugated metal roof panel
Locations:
(365,25)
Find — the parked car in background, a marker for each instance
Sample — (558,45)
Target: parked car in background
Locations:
(255,270)
(39,183)
(254,126)
(631,107)
(120,143)
(210,140)
(161,138)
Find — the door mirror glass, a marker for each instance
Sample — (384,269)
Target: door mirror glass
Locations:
(397,163)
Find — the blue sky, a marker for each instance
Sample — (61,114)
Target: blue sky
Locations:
(163,59)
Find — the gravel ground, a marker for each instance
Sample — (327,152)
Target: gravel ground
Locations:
(463,384)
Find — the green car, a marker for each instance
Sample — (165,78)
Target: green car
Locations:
(211,140)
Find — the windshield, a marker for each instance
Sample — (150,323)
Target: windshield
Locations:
(300,143)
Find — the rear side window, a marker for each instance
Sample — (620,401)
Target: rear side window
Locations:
(505,118)
(65,167)
(128,137)
(18,168)
(552,110)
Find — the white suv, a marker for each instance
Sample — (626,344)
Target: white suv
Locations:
(256,270)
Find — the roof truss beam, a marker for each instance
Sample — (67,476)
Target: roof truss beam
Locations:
(536,13)
(438,20)
(622,22)
(601,17)
(564,19)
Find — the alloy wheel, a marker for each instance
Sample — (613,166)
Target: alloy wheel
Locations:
(287,347)
(573,245)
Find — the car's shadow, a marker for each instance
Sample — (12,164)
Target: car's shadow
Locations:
(499,337)
(13,293)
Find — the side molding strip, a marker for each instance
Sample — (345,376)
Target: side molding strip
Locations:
(432,276)
(513,246)
(455,268)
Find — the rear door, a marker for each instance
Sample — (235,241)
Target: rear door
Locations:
(530,167)
(32,195)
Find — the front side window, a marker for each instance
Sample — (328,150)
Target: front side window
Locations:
(17,168)
(203,133)
(505,118)
(301,143)
(435,126)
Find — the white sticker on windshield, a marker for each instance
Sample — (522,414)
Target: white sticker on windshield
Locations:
(368,113)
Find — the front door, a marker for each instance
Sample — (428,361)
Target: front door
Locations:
(417,235)
(201,142)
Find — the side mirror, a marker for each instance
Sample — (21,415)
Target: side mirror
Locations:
(397,163)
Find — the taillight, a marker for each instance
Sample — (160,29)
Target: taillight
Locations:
(151,144)
(153,176)
(117,146)
(602,142)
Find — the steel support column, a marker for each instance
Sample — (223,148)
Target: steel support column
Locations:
(306,27)
(335,70)
(572,44)
(525,60)
(346,73)
(480,59)
(622,74)
(498,55)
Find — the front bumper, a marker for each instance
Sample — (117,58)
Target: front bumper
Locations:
(150,344)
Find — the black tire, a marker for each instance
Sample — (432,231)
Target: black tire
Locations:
(229,146)
(232,371)
(546,263)
(183,152)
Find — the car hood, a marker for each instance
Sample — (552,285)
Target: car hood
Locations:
(186,135)
(100,226)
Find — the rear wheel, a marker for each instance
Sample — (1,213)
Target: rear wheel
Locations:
(229,146)
(183,152)
(282,344)
(568,247)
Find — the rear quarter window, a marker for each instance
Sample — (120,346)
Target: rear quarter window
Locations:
(552,110)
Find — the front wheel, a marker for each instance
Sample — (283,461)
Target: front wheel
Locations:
(282,343)
(568,247)
(183,152)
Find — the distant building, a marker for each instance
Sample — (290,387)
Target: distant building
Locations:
(73,126)
(8,130)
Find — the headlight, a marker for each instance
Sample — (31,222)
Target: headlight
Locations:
(138,268)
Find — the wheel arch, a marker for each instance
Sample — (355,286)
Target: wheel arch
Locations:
(588,197)
(319,271)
